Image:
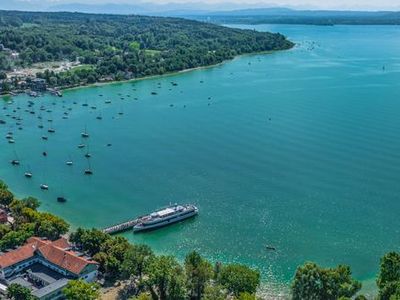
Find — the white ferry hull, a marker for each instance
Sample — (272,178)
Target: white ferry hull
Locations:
(167,222)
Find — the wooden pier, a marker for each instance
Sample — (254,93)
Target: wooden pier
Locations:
(128,225)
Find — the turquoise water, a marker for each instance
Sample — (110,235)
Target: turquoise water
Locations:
(297,149)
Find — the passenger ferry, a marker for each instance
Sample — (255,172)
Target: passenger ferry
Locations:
(166,216)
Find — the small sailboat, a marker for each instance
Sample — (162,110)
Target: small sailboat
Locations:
(11,141)
(80,146)
(85,134)
(51,130)
(45,138)
(99,117)
(28,173)
(15,162)
(69,163)
(88,171)
(44,187)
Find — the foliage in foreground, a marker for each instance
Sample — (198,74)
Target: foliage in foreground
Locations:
(163,277)
(19,292)
(27,221)
(314,282)
(79,289)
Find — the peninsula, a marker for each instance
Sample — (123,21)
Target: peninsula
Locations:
(61,50)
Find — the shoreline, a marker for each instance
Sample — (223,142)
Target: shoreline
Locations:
(100,84)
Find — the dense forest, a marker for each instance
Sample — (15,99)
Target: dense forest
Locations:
(122,47)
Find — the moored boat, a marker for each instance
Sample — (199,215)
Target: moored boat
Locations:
(61,199)
(166,216)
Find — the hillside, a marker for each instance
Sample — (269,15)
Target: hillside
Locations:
(122,47)
(307,17)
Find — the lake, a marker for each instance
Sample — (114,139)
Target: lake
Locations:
(299,150)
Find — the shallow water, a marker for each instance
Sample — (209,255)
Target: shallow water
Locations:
(296,149)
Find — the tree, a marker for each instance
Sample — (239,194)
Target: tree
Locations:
(31,203)
(389,277)
(4,229)
(143,296)
(165,278)
(239,279)
(198,273)
(111,256)
(389,269)
(313,282)
(246,296)
(136,259)
(51,226)
(214,292)
(79,289)
(6,197)
(15,238)
(89,240)
(18,292)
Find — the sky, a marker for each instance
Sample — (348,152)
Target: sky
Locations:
(225,4)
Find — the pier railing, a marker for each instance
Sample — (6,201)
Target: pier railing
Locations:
(128,225)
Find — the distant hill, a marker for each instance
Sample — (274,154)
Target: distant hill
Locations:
(289,16)
(216,13)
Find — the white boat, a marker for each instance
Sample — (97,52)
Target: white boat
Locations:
(166,216)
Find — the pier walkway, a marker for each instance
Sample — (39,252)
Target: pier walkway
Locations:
(128,225)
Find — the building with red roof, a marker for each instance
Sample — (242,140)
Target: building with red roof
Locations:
(46,266)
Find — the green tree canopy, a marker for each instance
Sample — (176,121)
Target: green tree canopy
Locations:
(314,282)
(18,292)
(198,273)
(79,289)
(389,277)
(239,279)
(90,240)
(136,260)
(165,278)
(6,197)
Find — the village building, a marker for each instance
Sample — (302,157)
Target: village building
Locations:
(38,85)
(45,267)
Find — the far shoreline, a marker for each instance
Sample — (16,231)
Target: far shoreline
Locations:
(169,74)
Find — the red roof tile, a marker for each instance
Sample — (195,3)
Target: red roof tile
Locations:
(20,254)
(64,259)
(62,243)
